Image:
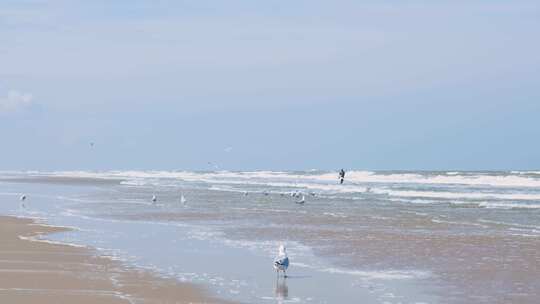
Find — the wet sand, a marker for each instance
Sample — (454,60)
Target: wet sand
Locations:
(473,267)
(42,272)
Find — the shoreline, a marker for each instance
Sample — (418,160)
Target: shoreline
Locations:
(357,246)
(35,271)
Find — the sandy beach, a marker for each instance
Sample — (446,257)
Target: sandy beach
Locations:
(45,272)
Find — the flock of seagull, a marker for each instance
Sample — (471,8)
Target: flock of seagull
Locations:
(281,262)
(183,199)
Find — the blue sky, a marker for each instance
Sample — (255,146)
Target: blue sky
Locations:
(274,85)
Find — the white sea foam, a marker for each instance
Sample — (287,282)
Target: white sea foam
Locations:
(414,178)
(382,184)
(509,224)
(335,214)
(354,177)
(372,274)
(508,205)
(461,195)
(439,221)
(498,205)
(40,240)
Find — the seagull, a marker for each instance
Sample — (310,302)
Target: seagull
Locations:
(216,167)
(183,200)
(302,201)
(154,199)
(245,193)
(23,198)
(281,262)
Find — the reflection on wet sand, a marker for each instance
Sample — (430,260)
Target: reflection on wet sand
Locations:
(281,290)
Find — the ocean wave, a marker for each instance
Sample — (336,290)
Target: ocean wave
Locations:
(494,205)
(353,177)
(459,195)
(363,182)
(495,180)
(497,205)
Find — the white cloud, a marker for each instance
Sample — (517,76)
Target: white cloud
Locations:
(15,100)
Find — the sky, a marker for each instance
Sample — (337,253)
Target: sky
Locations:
(269,85)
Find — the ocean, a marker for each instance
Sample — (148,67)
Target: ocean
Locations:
(380,237)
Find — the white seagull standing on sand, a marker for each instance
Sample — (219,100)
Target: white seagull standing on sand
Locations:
(154,199)
(281,262)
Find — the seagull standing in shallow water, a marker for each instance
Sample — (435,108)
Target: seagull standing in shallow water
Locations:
(281,262)
(23,198)
(154,199)
(183,200)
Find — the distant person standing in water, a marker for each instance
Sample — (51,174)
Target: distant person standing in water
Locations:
(341,176)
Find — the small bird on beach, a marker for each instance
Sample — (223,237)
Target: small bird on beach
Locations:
(281,262)
(302,201)
(23,198)
(183,200)
(154,199)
